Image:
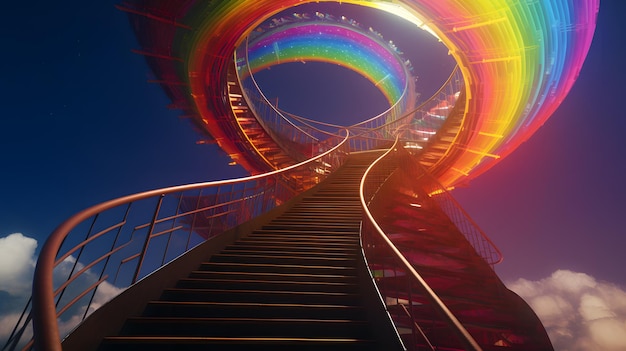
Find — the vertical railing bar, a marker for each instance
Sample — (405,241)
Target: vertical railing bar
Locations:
(422,334)
(213,212)
(123,261)
(80,252)
(106,262)
(193,220)
(16,334)
(148,237)
(169,236)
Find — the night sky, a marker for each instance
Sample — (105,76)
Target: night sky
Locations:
(81,125)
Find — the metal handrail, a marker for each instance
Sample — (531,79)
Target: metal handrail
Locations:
(443,311)
(379,131)
(275,114)
(240,203)
(391,113)
(262,95)
(423,106)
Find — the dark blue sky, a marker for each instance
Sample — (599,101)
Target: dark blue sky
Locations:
(81,125)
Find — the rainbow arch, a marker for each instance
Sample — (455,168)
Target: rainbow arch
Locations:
(337,44)
(519,60)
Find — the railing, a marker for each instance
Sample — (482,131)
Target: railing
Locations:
(280,128)
(400,284)
(453,210)
(417,125)
(97,253)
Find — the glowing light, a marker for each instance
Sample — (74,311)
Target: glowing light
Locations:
(412,145)
(406,14)
(519,60)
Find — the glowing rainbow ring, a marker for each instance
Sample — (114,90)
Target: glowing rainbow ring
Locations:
(332,43)
(519,60)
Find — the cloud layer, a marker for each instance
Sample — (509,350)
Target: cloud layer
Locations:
(17,264)
(578,312)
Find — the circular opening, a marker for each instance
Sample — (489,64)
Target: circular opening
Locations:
(322,91)
(330,93)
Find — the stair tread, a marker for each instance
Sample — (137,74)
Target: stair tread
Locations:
(253,304)
(259,265)
(284,253)
(267,282)
(294,275)
(152,319)
(254,340)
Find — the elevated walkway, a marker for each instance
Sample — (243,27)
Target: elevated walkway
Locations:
(296,277)
(297,282)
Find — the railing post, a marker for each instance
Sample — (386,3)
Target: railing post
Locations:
(148,237)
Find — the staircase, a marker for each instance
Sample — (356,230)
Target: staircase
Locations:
(268,152)
(494,316)
(293,284)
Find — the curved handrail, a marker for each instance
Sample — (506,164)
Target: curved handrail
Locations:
(421,106)
(265,99)
(421,122)
(398,107)
(267,191)
(366,138)
(440,307)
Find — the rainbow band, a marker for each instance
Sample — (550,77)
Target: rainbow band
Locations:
(519,60)
(333,43)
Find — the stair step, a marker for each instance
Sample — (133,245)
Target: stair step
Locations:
(308,228)
(245,245)
(293,252)
(292,237)
(273,240)
(245,327)
(167,343)
(251,310)
(322,207)
(277,259)
(260,296)
(355,217)
(275,268)
(265,285)
(331,221)
(293,277)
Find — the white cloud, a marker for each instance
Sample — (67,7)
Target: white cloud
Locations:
(17,263)
(578,312)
